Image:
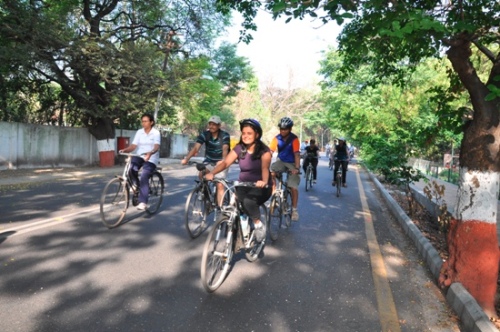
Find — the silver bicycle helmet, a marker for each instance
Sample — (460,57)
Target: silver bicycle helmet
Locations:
(285,123)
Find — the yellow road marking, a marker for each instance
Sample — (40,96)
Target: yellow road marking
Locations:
(385,302)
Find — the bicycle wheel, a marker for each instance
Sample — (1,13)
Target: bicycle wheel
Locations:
(196,212)
(339,183)
(114,202)
(217,255)
(156,187)
(255,248)
(287,207)
(275,217)
(307,183)
(310,178)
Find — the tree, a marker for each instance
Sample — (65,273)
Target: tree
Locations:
(386,34)
(105,55)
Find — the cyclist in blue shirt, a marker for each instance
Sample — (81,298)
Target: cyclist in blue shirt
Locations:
(288,146)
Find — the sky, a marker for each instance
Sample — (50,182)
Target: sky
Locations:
(279,48)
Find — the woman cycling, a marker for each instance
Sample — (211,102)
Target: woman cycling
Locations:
(254,161)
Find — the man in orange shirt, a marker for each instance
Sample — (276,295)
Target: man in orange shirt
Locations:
(288,146)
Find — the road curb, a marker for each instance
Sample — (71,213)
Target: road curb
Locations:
(465,306)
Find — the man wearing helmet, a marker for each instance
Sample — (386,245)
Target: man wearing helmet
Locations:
(341,156)
(216,143)
(288,146)
(254,161)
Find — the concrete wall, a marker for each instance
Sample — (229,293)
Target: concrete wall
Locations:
(31,146)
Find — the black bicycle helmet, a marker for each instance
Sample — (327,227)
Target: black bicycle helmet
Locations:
(252,123)
(285,123)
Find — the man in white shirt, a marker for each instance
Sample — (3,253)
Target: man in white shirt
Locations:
(147,142)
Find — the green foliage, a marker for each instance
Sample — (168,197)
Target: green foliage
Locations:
(388,157)
(105,56)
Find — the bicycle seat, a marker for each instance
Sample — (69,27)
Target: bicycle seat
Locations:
(201,167)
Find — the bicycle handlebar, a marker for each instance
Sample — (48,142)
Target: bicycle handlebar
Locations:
(131,154)
(246,184)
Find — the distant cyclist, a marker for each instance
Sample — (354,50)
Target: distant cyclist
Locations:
(311,155)
(216,143)
(341,157)
(288,146)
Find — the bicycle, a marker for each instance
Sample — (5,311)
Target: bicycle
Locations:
(309,176)
(280,206)
(338,179)
(225,239)
(115,195)
(201,202)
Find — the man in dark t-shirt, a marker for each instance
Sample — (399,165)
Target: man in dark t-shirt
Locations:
(311,155)
(216,143)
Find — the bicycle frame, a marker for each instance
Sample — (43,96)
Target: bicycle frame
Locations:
(233,210)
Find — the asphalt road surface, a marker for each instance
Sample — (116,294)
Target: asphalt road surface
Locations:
(344,266)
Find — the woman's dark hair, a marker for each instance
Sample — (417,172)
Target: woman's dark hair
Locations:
(150,117)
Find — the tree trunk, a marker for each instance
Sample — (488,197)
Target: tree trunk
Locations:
(102,129)
(472,238)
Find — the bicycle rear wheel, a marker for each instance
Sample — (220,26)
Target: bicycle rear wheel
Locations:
(114,202)
(287,207)
(275,217)
(217,255)
(196,212)
(156,187)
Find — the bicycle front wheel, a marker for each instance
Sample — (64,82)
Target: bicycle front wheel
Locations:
(339,183)
(287,207)
(114,202)
(156,187)
(196,212)
(217,255)
(275,217)
(310,178)
(307,182)
(255,248)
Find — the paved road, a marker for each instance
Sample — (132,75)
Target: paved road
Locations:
(345,266)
